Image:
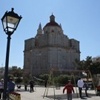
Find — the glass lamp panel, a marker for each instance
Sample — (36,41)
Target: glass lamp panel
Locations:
(11,27)
(5,26)
(12,20)
(12,23)
(4,22)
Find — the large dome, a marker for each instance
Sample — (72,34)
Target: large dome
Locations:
(52,22)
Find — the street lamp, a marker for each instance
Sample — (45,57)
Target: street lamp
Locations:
(10,22)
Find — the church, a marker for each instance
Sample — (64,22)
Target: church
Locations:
(50,49)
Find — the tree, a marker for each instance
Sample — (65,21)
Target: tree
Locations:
(80,64)
(95,68)
(16,72)
(91,64)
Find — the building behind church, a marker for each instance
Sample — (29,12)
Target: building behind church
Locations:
(50,49)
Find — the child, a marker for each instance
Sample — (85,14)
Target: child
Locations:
(69,89)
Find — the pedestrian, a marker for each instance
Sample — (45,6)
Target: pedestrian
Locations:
(80,85)
(69,89)
(1,88)
(25,85)
(11,85)
(86,88)
(45,83)
(31,85)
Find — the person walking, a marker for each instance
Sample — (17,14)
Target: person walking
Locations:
(69,89)
(45,83)
(86,88)
(80,85)
(11,85)
(1,88)
(31,85)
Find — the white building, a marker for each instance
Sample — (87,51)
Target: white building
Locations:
(50,49)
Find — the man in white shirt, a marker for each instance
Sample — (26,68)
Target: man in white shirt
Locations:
(80,85)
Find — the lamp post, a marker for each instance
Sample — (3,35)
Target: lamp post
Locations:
(10,22)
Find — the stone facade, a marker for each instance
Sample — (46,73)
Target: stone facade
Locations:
(50,49)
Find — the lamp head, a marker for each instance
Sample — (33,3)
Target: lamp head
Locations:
(10,21)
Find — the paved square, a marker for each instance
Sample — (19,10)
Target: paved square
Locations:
(53,94)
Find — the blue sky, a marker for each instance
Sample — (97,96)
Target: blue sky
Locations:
(80,19)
